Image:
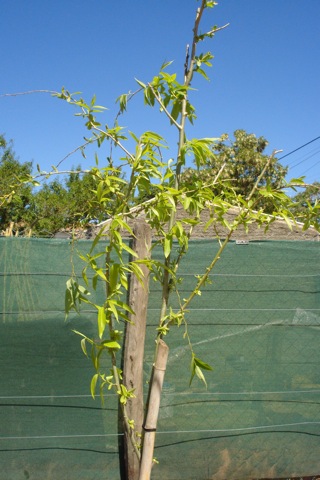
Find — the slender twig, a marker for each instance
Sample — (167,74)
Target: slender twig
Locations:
(130,96)
(183,115)
(139,208)
(119,144)
(300,185)
(126,419)
(274,153)
(217,29)
(190,69)
(242,215)
(183,249)
(158,98)
(52,92)
(80,147)
(59,172)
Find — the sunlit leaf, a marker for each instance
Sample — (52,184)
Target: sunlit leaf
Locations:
(94,384)
(102,320)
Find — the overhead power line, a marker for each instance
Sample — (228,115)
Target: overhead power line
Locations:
(307,157)
(299,148)
(311,167)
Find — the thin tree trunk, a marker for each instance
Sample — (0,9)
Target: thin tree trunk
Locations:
(150,425)
(134,348)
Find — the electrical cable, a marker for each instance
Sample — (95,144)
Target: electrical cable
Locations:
(311,167)
(299,148)
(305,159)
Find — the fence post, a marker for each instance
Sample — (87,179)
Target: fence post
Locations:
(134,347)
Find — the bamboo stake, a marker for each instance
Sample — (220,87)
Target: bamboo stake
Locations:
(150,425)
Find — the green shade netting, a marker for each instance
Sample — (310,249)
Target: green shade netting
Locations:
(257,323)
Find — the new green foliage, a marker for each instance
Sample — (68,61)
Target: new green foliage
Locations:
(155,188)
(138,181)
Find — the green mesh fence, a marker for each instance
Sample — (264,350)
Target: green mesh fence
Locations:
(257,324)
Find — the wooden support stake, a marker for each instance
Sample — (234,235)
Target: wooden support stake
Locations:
(151,421)
(134,348)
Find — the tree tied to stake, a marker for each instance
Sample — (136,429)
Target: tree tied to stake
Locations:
(150,173)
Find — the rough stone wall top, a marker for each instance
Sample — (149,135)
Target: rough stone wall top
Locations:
(278,230)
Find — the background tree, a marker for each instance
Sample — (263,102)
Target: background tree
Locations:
(243,159)
(84,196)
(65,204)
(16,194)
(307,204)
(48,209)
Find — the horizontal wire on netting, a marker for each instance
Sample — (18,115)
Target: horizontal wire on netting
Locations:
(50,274)
(168,432)
(168,394)
(83,312)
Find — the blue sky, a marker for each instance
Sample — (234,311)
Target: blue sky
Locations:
(265,75)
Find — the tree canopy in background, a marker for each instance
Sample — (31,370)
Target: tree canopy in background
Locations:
(17,194)
(45,209)
(245,158)
(306,200)
(73,201)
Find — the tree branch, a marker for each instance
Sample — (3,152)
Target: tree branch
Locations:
(217,29)
(119,144)
(59,172)
(76,150)
(52,92)
(164,108)
(274,153)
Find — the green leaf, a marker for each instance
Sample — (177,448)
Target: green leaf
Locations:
(83,336)
(176,109)
(94,384)
(83,290)
(200,375)
(202,72)
(201,364)
(83,346)
(125,307)
(287,220)
(137,271)
(167,245)
(124,225)
(166,64)
(129,250)
(113,277)
(111,344)
(68,302)
(210,4)
(134,136)
(101,274)
(84,276)
(112,306)
(196,367)
(75,293)
(102,320)
(94,281)
(143,85)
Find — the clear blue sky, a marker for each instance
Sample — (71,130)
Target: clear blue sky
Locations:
(265,75)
